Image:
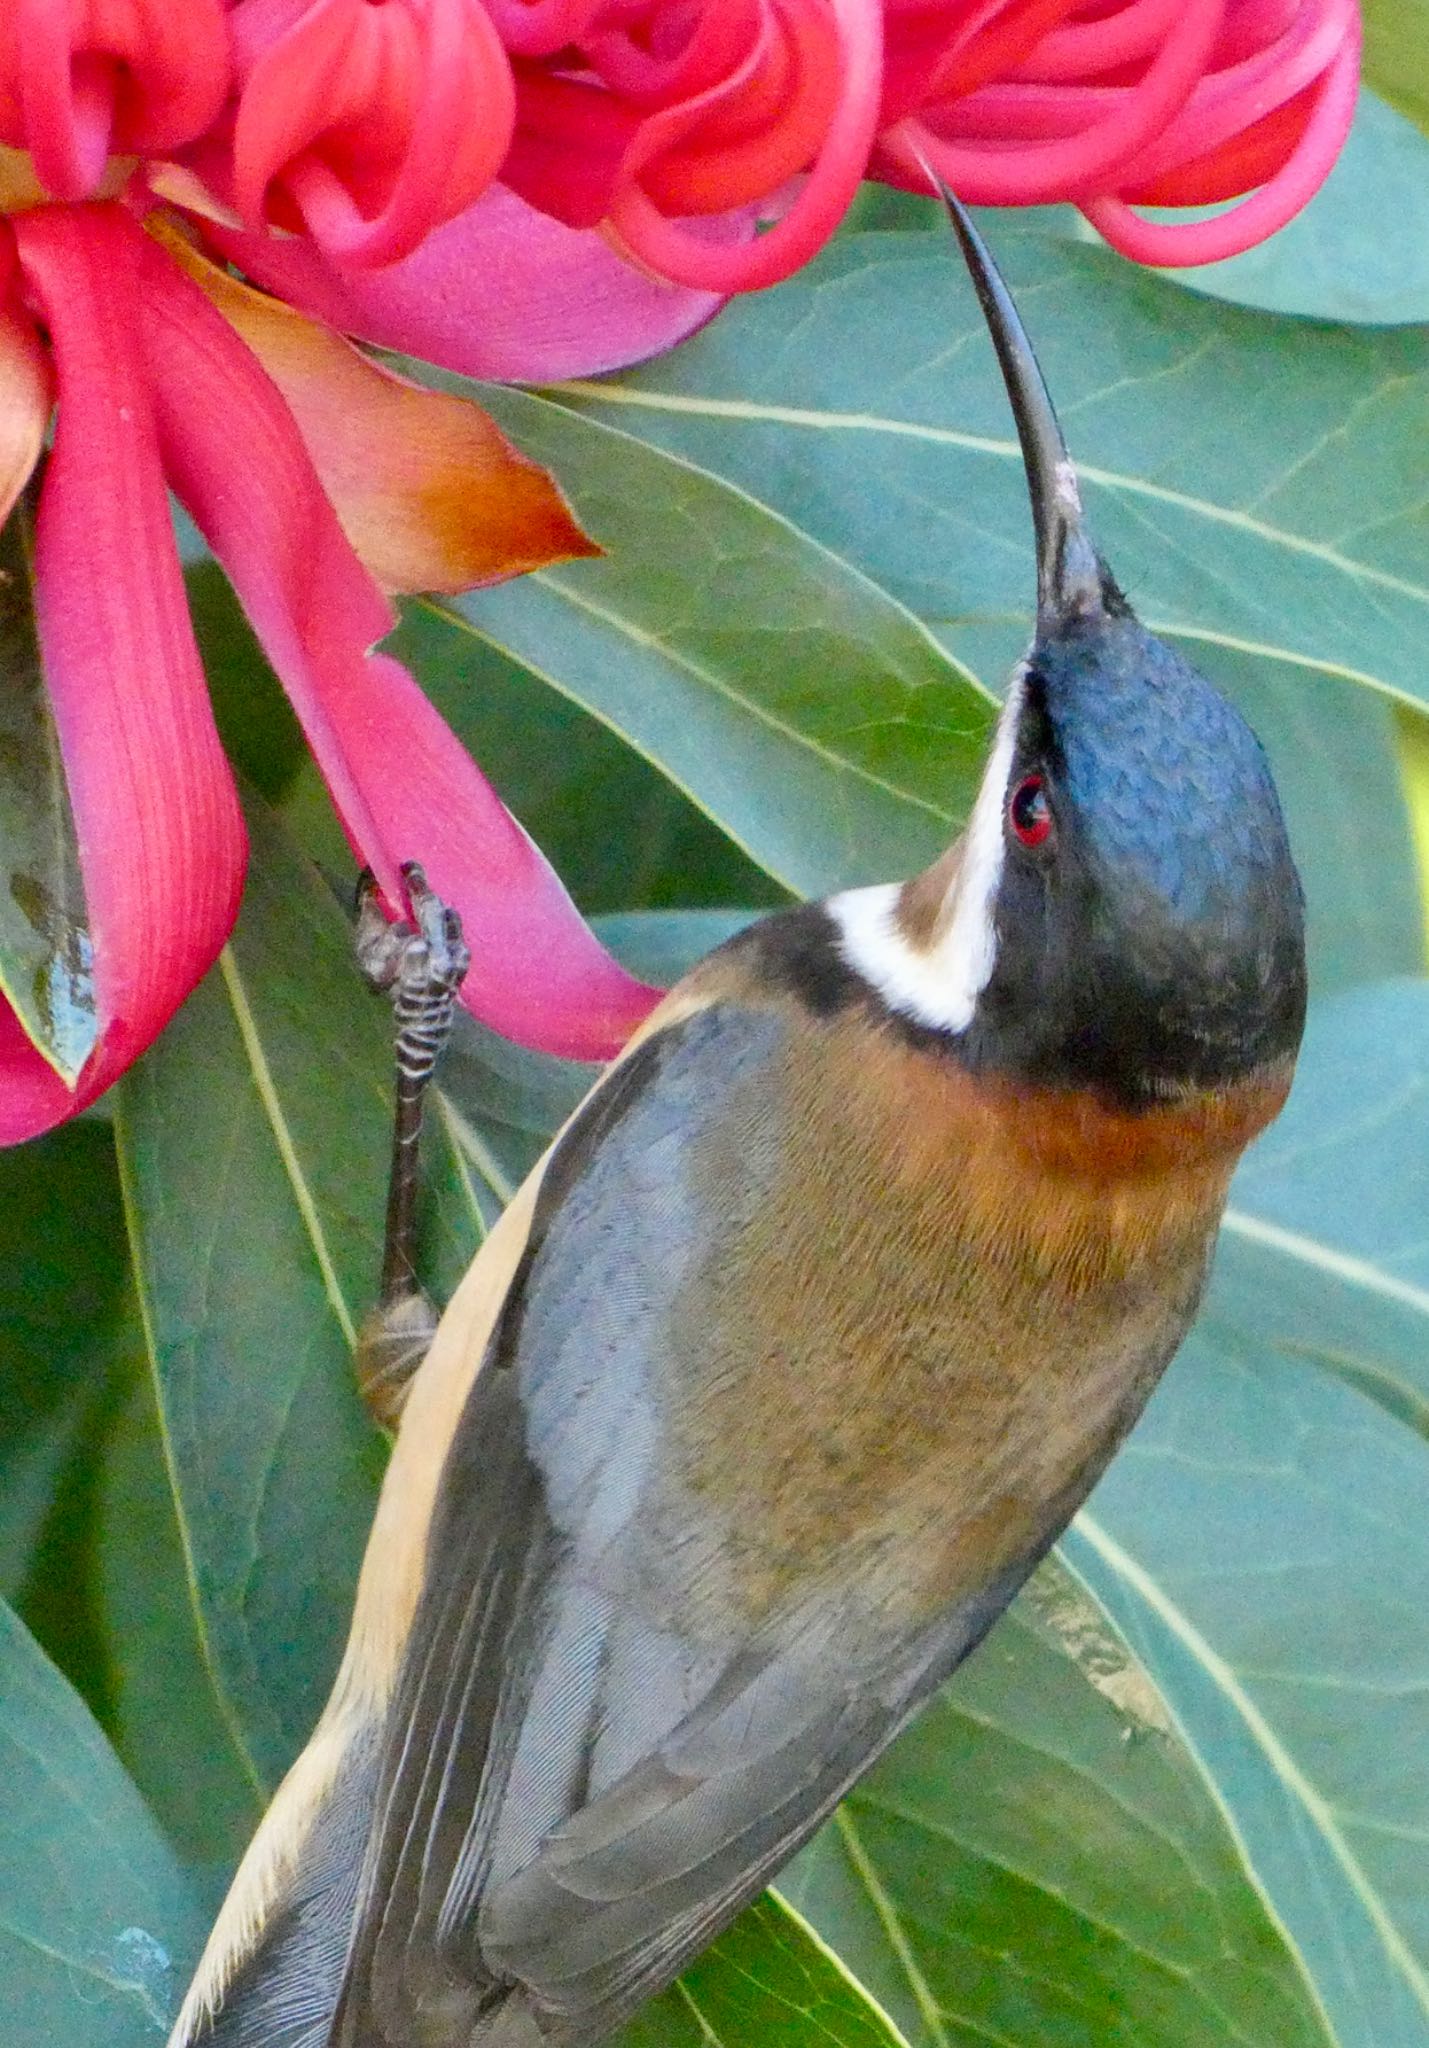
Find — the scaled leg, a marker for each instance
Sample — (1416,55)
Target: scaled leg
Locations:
(422,964)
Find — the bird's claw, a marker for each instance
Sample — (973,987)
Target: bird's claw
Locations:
(422,962)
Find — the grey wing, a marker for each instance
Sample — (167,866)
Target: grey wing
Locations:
(590,1764)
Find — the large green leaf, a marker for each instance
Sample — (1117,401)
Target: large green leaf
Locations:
(862,398)
(1039,1859)
(89,1544)
(164,1706)
(1262,1540)
(97,1923)
(1259,484)
(1325,1255)
(811,716)
(254,1144)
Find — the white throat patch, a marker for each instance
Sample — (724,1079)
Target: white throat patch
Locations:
(939,985)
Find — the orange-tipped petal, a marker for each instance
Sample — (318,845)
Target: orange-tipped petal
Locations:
(161,841)
(428,490)
(403,785)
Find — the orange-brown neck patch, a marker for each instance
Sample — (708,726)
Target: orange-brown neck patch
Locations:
(1056,1177)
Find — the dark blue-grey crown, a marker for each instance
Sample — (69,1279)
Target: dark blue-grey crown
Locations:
(1163,948)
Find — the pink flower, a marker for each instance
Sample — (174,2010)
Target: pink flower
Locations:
(149,358)
(671,125)
(363,126)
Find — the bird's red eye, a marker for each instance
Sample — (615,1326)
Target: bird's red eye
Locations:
(1029,813)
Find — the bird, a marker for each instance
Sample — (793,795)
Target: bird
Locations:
(793,1356)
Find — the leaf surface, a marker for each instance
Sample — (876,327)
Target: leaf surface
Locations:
(1039,1859)
(808,714)
(769,1979)
(97,1921)
(254,1142)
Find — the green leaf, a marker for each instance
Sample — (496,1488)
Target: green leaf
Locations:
(1328,261)
(769,1979)
(89,1543)
(1396,58)
(1261,1541)
(97,1923)
(254,1140)
(866,389)
(1259,485)
(661,945)
(63,1331)
(1324,1255)
(1040,1859)
(619,834)
(161,1708)
(46,957)
(807,713)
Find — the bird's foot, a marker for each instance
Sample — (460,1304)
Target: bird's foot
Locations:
(421,965)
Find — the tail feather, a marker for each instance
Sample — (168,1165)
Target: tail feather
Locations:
(273,1970)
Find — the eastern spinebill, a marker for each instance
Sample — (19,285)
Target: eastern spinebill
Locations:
(788,1362)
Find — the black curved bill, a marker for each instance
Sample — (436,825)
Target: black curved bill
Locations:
(1070,576)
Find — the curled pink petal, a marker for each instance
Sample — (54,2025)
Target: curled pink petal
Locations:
(1036,172)
(1224,103)
(1087,49)
(367,126)
(1191,242)
(501,292)
(539,28)
(403,785)
(854,51)
(81,79)
(161,840)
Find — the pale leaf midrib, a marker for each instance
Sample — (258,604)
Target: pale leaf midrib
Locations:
(753,412)
(1310,1251)
(268,1094)
(1318,1812)
(225,1706)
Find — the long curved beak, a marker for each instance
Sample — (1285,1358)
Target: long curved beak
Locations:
(1070,574)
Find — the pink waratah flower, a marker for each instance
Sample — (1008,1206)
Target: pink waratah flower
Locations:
(320,481)
(671,125)
(520,188)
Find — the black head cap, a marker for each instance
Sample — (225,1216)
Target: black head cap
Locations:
(1147,918)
